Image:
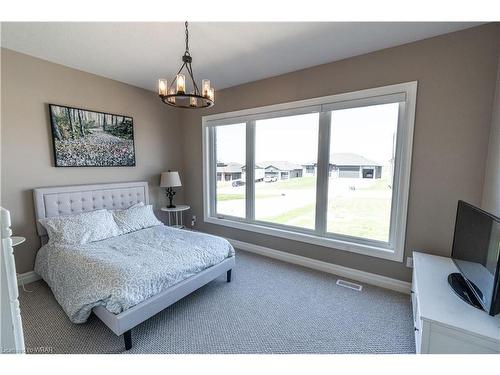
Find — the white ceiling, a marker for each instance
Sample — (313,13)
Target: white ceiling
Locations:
(226,53)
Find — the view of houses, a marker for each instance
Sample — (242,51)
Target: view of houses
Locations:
(342,165)
(359,202)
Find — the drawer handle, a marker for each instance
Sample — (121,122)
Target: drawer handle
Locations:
(412,292)
(416,329)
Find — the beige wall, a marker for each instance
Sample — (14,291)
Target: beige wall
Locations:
(28,84)
(491,191)
(456,75)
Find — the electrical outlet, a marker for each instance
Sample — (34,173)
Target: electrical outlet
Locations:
(409,262)
(193,220)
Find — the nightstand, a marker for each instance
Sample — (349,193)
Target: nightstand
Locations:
(174,214)
(17,240)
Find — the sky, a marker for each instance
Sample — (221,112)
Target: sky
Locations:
(367,131)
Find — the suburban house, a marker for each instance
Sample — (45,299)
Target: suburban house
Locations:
(282,170)
(258,173)
(229,171)
(235,171)
(347,165)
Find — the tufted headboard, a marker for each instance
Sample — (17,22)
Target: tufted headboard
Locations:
(67,200)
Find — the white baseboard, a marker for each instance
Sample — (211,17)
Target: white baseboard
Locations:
(350,273)
(27,277)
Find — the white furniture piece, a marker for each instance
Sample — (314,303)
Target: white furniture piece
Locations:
(17,240)
(444,323)
(11,329)
(66,200)
(174,214)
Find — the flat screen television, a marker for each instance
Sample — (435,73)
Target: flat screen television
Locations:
(476,252)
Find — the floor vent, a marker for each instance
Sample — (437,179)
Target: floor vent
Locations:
(347,284)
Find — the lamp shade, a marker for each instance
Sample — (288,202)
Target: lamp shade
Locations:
(170,179)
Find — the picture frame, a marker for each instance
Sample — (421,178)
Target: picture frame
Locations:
(88,138)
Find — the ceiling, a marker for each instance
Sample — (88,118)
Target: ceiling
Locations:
(226,53)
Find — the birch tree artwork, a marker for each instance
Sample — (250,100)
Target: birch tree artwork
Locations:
(85,138)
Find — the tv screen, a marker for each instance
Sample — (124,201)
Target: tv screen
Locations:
(476,248)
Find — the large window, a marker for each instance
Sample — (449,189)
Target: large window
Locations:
(230,160)
(284,193)
(332,171)
(361,171)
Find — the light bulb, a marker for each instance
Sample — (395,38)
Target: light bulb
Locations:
(192,101)
(181,83)
(171,92)
(205,87)
(162,87)
(211,94)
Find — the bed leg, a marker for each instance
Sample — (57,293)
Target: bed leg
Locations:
(128,339)
(228,276)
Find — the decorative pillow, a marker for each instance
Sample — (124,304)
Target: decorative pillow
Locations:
(81,228)
(138,204)
(135,218)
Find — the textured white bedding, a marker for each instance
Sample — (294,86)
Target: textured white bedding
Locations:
(122,271)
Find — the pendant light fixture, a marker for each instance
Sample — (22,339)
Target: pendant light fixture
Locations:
(178,94)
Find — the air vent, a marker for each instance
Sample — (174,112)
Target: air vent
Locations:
(347,284)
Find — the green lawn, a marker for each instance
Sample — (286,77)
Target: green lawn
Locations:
(298,217)
(229,197)
(363,212)
(366,217)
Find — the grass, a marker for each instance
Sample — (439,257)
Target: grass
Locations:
(365,217)
(229,197)
(299,217)
(354,213)
(294,183)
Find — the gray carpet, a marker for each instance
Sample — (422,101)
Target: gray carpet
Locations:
(269,307)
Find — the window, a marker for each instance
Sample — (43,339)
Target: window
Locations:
(230,160)
(286,195)
(332,171)
(361,165)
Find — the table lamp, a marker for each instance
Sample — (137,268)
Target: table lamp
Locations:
(170,180)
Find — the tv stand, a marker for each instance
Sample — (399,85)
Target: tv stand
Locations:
(461,289)
(443,322)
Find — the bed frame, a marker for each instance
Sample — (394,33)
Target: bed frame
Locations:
(67,200)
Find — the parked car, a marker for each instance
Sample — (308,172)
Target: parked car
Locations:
(237,183)
(270,179)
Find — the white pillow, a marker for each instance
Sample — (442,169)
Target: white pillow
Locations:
(81,228)
(138,204)
(136,218)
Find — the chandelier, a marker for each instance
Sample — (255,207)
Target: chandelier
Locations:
(177,95)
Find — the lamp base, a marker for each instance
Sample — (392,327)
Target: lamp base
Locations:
(170,196)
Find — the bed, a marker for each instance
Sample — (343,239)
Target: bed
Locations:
(127,279)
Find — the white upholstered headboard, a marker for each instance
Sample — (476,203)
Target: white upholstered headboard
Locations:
(67,200)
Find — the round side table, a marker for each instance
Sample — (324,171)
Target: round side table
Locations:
(174,213)
(16,240)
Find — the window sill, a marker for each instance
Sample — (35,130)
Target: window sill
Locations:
(370,250)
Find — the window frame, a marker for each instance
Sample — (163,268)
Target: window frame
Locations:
(404,93)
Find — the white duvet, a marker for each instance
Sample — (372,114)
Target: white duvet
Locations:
(122,271)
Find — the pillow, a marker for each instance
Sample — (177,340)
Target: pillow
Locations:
(81,228)
(138,204)
(136,218)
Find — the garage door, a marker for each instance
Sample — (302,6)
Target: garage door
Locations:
(348,172)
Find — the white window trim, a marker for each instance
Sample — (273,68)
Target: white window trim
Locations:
(407,91)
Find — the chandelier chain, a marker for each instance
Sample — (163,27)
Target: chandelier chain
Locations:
(187,37)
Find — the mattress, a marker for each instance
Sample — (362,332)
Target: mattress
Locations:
(121,272)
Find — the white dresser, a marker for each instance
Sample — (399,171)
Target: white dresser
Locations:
(443,322)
